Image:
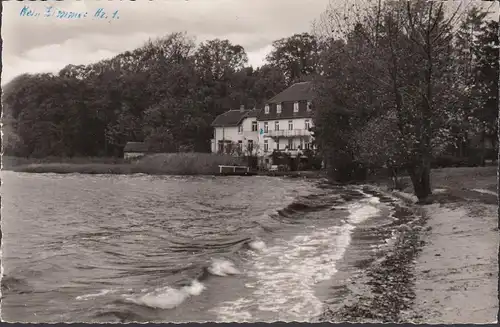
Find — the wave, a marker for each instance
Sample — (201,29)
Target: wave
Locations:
(221,267)
(178,245)
(168,297)
(309,270)
(94,295)
(287,273)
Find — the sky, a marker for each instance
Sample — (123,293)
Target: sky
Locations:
(33,44)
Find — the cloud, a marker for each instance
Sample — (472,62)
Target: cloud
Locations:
(257,58)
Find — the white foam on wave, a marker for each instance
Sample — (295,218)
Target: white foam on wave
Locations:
(257,245)
(287,272)
(168,297)
(235,312)
(93,295)
(480,190)
(361,211)
(222,267)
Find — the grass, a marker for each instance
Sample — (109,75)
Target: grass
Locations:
(10,162)
(457,184)
(157,164)
(185,163)
(459,178)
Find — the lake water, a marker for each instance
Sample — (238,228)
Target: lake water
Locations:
(115,248)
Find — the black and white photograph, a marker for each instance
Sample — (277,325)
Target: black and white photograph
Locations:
(176,161)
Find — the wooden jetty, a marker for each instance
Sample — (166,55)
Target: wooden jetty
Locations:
(235,171)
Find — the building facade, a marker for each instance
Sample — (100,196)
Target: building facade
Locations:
(283,125)
(285,122)
(235,132)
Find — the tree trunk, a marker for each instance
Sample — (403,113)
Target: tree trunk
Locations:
(483,147)
(420,178)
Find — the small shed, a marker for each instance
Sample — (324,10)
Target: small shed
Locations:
(135,150)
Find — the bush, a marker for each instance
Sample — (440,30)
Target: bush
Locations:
(252,161)
(316,162)
(445,161)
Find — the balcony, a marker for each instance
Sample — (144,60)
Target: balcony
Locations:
(288,133)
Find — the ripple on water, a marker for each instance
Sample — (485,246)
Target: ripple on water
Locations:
(146,237)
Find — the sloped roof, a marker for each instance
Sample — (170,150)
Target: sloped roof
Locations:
(136,147)
(233,117)
(297,92)
(253,113)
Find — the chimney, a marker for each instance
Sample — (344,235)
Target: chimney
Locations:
(242,108)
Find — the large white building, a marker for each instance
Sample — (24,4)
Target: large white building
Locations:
(282,125)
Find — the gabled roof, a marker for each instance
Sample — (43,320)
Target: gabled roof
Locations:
(136,147)
(302,91)
(233,117)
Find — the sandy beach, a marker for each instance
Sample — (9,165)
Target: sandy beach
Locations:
(456,272)
(441,265)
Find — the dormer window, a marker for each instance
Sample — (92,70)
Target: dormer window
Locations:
(295,106)
(278,108)
(266,109)
(309,105)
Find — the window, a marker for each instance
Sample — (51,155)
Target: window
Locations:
(266,127)
(295,106)
(309,105)
(278,108)
(221,146)
(266,109)
(240,146)
(266,146)
(290,144)
(240,129)
(250,146)
(290,125)
(306,124)
(254,126)
(277,126)
(307,145)
(277,144)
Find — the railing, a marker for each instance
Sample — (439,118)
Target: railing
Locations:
(233,169)
(288,133)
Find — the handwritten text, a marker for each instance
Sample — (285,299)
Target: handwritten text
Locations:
(53,12)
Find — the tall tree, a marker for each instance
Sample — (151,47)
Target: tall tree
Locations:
(296,56)
(217,58)
(397,69)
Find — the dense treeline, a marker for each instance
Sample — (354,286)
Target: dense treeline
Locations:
(403,83)
(165,93)
(398,84)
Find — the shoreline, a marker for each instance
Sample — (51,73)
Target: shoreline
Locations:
(132,169)
(444,255)
(375,276)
